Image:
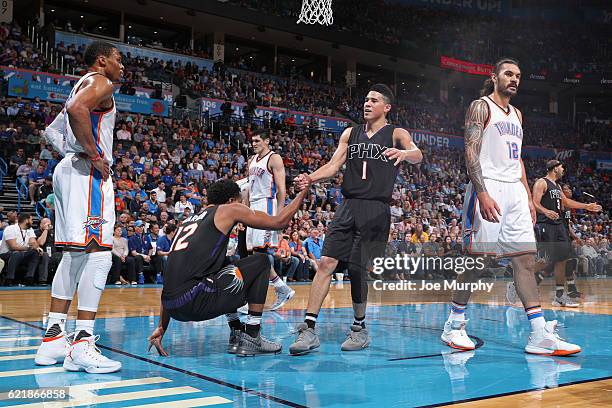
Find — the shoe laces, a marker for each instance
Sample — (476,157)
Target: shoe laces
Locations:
(92,350)
(354,335)
(302,329)
(555,330)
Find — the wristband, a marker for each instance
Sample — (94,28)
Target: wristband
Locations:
(95,158)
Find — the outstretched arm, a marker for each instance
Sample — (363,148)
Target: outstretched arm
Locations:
(569,203)
(332,168)
(229,214)
(410,153)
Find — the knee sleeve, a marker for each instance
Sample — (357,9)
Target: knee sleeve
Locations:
(93,279)
(67,275)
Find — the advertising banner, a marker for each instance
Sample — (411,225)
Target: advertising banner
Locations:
(465,66)
(468,6)
(134,51)
(329,123)
(56,88)
(444,140)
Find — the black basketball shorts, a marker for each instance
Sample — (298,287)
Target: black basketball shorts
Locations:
(220,293)
(554,244)
(359,232)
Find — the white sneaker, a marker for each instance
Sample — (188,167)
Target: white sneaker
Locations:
(511,295)
(244,309)
(83,355)
(548,343)
(564,301)
(282,296)
(454,335)
(52,350)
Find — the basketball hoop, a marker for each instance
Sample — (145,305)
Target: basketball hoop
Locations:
(316,12)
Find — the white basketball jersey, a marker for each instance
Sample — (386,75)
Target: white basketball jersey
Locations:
(261,180)
(102,125)
(500,153)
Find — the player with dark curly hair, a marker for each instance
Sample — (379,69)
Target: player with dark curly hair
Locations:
(200,285)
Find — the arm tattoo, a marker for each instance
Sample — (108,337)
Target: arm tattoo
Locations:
(474,126)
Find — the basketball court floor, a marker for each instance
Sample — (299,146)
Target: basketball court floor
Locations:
(405,366)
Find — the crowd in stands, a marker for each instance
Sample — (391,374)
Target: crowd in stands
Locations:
(162,168)
(470,36)
(421,110)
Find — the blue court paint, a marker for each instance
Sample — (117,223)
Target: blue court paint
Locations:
(406,364)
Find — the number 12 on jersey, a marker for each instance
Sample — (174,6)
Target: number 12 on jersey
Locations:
(513,150)
(181,236)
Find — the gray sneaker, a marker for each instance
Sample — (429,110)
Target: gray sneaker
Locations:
(234,340)
(252,346)
(357,339)
(282,296)
(307,341)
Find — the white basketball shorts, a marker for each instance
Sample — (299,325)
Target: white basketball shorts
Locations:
(256,238)
(84,204)
(512,235)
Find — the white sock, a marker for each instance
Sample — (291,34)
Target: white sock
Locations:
(85,325)
(457,312)
(57,318)
(278,283)
(537,324)
(536,318)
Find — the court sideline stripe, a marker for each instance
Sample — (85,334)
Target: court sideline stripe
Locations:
(505,394)
(182,371)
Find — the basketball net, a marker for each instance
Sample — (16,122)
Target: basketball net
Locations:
(316,12)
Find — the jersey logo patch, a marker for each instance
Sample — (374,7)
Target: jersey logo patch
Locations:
(94,222)
(236,284)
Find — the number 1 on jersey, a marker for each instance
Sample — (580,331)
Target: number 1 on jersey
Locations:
(365,167)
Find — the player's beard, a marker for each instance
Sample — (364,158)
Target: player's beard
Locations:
(504,91)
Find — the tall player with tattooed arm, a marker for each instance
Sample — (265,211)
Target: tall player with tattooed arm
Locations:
(360,228)
(498,214)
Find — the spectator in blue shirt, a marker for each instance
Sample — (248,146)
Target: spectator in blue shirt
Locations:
(314,245)
(164,243)
(153,203)
(156,260)
(53,161)
(36,178)
(140,249)
(168,178)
